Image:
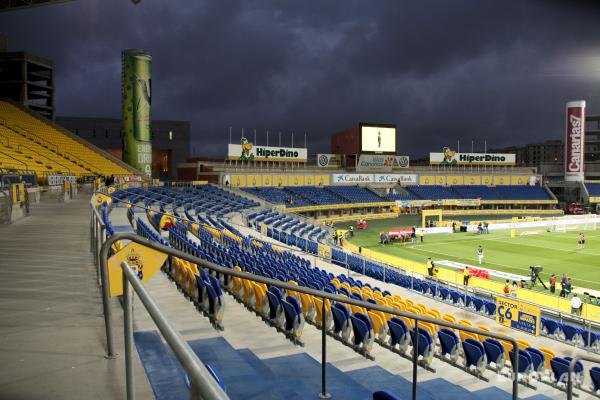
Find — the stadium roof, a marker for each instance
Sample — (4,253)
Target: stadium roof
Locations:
(8,5)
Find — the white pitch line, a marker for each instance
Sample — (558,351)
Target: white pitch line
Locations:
(512,267)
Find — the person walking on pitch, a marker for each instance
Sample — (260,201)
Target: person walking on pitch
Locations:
(480,254)
(581,241)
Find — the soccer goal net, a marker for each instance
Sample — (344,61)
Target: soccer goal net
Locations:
(565,225)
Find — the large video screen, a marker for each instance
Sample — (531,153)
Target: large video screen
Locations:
(378,139)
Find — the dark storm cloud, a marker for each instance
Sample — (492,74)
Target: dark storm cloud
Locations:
(442,71)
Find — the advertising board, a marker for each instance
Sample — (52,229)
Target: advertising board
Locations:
(377,138)
(575,141)
(451,157)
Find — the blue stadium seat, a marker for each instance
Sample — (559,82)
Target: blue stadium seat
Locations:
(595,377)
(426,345)
(398,334)
(550,327)
(475,356)
(276,313)
(363,331)
(525,362)
(383,395)
(537,359)
(449,343)
(572,333)
(342,326)
(494,351)
(294,319)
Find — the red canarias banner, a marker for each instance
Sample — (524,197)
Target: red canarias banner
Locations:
(575,141)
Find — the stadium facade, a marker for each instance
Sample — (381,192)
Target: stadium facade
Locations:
(170,140)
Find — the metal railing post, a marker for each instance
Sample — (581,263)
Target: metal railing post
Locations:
(91,230)
(515,364)
(202,384)
(415,359)
(110,348)
(323,394)
(128,331)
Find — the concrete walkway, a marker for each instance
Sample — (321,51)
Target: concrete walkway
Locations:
(52,341)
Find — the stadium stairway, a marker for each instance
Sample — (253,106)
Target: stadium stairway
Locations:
(51,324)
(254,362)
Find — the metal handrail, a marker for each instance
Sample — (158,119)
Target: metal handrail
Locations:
(97,236)
(287,286)
(202,384)
(6,194)
(572,365)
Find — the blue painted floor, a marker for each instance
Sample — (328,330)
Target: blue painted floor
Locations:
(286,378)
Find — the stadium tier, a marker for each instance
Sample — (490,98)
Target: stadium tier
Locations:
(593,188)
(310,195)
(477,192)
(355,194)
(31,143)
(206,233)
(433,192)
(517,192)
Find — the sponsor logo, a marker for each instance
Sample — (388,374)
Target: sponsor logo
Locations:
(401,161)
(448,156)
(279,153)
(451,157)
(575,143)
(246,147)
(323,160)
(466,157)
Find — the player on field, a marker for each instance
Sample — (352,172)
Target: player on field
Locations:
(581,241)
(480,254)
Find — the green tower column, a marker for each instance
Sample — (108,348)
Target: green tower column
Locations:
(136,102)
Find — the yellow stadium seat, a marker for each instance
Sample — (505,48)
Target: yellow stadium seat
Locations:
(449,318)
(483,328)
(431,328)
(507,348)
(467,335)
(548,355)
(523,344)
(319,308)
(30,143)
(422,308)
(260,295)
(435,313)
(308,305)
(377,321)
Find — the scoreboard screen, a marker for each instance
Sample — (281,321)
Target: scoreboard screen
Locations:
(377,139)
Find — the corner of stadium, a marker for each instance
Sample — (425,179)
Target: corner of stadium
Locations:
(130,269)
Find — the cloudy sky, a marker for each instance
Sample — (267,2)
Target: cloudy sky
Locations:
(440,70)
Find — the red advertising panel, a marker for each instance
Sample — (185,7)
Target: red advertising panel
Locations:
(575,141)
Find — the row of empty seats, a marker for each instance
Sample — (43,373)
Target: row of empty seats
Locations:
(300,196)
(500,192)
(291,230)
(31,143)
(310,195)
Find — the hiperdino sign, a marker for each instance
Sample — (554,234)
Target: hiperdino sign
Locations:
(451,157)
(247,151)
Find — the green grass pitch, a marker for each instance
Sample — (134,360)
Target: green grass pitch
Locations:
(557,252)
